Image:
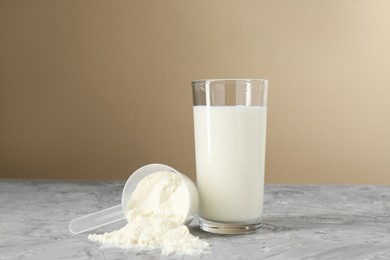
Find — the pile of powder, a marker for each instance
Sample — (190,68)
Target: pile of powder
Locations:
(155,213)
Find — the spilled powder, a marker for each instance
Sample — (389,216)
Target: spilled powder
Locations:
(155,213)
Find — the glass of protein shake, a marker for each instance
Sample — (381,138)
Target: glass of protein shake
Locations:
(230,118)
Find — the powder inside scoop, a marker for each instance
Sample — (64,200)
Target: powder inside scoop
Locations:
(155,213)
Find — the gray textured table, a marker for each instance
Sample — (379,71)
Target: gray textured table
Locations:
(300,222)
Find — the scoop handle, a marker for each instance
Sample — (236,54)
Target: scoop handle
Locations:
(97,219)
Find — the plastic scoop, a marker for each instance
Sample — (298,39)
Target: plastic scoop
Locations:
(117,213)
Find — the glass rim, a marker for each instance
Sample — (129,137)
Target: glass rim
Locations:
(263,81)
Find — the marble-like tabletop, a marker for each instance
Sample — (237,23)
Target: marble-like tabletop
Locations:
(300,222)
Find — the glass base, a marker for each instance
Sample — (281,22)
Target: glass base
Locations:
(230,227)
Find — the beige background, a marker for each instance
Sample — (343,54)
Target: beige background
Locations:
(95,89)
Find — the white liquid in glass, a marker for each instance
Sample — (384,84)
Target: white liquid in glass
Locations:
(230,154)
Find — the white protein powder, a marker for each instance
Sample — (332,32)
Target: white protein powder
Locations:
(156,212)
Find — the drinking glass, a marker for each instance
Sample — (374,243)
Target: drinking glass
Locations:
(230,117)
